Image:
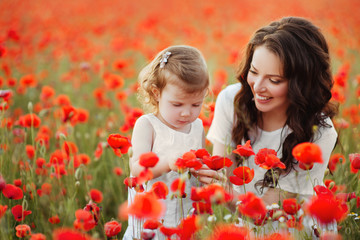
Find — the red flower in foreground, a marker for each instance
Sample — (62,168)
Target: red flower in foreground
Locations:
(267,159)
(160,189)
(244,150)
(23,230)
(307,154)
(117,141)
(68,233)
(217,162)
(151,224)
(168,231)
(291,206)
(146,205)
(188,227)
(243,175)
(112,228)
(148,160)
(178,187)
(355,160)
(18,213)
(229,232)
(12,192)
(251,206)
(319,206)
(96,195)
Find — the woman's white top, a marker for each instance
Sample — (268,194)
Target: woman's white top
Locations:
(298,180)
(172,144)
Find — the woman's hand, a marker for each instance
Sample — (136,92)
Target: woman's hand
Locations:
(207,176)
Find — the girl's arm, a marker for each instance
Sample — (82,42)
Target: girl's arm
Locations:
(142,142)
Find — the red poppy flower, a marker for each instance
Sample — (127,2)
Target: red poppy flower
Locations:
(69,234)
(321,190)
(28,81)
(17,182)
(118,171)
(23,230)
(117,141)
(37,236)
(307,154)
(12,192)
(160,189)
(148,160)
(96,195)
(251,206)
(5,94)
(84,220)
(330,184)
(18,213)
(63,100)
(334,160)
(30,151)
(178,187)
(217,162)
(47,92)
(291,206)
(151,224)
(69,148)
(67,112)
(188,227)
(202,207)
(355,160)
(2,210)
(267,159)
(244,150)
(229,232)
(319,206)
(243,175)
(144,176)
(169,231)
(146,205)
(30,120)
(54,219)
(113,81)
(112,228)
(201,153)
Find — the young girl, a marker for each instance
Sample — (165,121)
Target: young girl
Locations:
(283,99)
(174,84)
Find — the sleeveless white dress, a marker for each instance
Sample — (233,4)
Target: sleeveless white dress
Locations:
(168,143)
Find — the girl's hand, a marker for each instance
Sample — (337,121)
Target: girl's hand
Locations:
(207,176)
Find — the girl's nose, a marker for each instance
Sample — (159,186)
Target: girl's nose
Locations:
(185,112)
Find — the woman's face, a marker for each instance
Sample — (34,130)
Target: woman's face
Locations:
(267,83)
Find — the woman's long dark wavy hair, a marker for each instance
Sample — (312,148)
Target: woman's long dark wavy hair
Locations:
(304,53)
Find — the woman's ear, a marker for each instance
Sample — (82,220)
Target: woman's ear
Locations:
(155,90)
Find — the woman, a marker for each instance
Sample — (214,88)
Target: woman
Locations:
(283,99)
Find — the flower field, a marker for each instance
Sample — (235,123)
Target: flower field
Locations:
(68,103)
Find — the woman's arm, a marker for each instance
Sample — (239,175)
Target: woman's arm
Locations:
(142,142)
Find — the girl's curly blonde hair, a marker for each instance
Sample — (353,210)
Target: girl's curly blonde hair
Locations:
(184,62)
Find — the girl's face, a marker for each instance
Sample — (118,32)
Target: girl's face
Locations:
(178,109)
(267,83)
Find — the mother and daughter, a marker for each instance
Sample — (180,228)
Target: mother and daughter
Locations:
(282,99)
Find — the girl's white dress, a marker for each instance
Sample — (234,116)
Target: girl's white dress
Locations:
(169,143)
